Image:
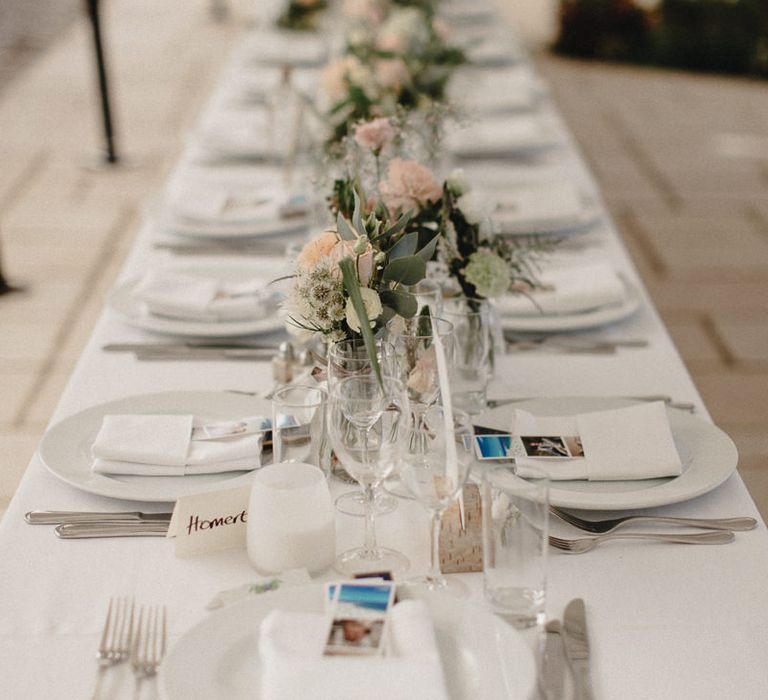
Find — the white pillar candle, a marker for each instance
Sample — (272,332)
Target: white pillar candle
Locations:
(291,521)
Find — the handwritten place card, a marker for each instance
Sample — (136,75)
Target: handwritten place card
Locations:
(210,521)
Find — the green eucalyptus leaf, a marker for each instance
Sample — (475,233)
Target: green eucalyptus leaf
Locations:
(357,219)
(404,303)
(405,247)
(352,285)
(346,232)
(428,251)
(408,270)
(399,225)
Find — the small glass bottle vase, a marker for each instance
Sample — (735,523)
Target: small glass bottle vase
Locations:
(471,368)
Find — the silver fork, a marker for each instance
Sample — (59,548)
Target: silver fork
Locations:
(149,645)
(584,544)
(115,644)
(609,525)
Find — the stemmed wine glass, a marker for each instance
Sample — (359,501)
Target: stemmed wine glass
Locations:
(349,358)
(436,476)
(368,420)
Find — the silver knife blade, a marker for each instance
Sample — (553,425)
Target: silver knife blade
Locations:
(553,676)
(574,633)
(205,354)
(58,517)
(185,346)
(69,531)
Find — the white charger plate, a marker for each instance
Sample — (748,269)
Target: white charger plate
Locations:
(709,457)
(66,447)
(563,323)
(482,656)
(124,301)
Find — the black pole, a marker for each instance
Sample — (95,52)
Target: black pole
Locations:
(92,7)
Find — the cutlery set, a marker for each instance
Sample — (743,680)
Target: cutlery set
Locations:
(84,525)
(568,345)
(722,530)
(141,637)
(681,406)
(191,350)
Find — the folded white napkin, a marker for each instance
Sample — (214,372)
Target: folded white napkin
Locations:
(175,445)
(499,136)
(542,206)
(241,133)
(619,445)
(293,666)
(193,298)
(567,290)
(285,48)
(206,204)
(503,90)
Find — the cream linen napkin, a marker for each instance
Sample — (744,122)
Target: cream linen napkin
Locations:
(567,290)
(619,445)
(193,298)
(291,644)
(546,205)
(174,445)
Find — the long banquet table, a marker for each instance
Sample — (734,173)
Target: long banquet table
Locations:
(665,621)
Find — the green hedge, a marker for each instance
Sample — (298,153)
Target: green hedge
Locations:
(729,36)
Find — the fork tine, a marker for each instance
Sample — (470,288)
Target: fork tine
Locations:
(105,632)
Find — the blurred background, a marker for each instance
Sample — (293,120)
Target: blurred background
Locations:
(666,98)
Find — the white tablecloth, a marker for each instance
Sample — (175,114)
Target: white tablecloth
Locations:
(667,622)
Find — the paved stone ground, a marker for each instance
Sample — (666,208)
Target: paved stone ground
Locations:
(692,205)
(27,28)
(682,161)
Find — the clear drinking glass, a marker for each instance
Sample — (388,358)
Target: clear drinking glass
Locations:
(299,426)
(429,294)
(515,543)
(349,358)
(471,369)
(435,477)
(368,421)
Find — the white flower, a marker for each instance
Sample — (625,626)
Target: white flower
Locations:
(457,182)
(373,308)
(473,206)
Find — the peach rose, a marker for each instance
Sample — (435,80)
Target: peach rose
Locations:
(409,186)
(344,249)
(375,134)
(316,249)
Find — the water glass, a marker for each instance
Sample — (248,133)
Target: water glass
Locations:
(299,428)
(515,543)
(429,294)
(291,523)
(368,420)
(472,339)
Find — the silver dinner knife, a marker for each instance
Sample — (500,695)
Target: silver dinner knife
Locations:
(71,531)
(553,675)
(58,517)
(574,633)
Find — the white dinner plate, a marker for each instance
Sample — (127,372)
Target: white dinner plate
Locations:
(125,302)
(709,457)
(564,323)
(482,656)
(66,447)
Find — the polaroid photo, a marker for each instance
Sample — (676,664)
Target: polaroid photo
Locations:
(359,616)
(507,448)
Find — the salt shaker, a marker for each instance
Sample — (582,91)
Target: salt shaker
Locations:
(283,362)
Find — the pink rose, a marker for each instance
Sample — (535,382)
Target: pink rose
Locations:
(391,73)
(375,134)
(390,41)
(343,249)
(409,186)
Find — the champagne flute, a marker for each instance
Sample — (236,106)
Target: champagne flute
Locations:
(368,420)
(348,358)
(436,476)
